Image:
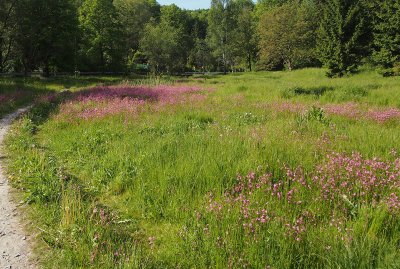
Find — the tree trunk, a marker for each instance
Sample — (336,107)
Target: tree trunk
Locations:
(224,62)
(102,59)
(24,62)
(249,59)
(289,65)
(46,70)
(1,55)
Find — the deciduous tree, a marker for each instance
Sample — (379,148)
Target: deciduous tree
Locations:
(160,44)
(133,16)
(245,40)
(102,43)
(286,35)
(7,32)
(221,25)
(45,34)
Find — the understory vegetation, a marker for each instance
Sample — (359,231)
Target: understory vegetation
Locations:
(252,170)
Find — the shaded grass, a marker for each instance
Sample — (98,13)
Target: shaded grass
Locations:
(18,92)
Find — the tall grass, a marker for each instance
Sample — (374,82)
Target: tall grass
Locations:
(224,177)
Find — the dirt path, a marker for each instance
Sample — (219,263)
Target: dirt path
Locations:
(14,248)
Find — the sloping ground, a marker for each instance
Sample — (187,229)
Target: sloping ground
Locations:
(14,248)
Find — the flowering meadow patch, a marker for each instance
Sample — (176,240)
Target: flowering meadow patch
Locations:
(361,181)
(9,97)
(383,115)
(11,100)
(260,207)
(164,177)
(348,110)
(3,98)
(100,102)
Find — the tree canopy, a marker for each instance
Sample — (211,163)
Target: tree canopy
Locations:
(287,37)
(233,35)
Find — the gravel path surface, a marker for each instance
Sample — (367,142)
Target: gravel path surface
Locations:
(15,251)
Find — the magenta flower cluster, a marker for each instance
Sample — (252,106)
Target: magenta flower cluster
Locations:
(3,98)
(384,114)
(101,246)
(100,102)
(159,93)
(12,96)
(239,196)
(47,98)
(102,108)
(352,110)
(355,179)
(346,181)
(349,110)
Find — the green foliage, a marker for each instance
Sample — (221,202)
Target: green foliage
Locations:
(220,31)
(245,39)
(7,33)
(180,23)
(342,36)
(102,44)
(263,6)
(316,114)
(387,36)
(287,36)
(133,16)
(46,33)
(161,45)
(200,57)
(313,91)
(233,35)
(180,36)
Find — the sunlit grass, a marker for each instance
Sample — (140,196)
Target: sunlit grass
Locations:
(131,190)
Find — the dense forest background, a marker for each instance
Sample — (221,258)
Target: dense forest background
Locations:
(233,35)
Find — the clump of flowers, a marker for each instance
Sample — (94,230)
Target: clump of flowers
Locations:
(12,96)
(107,240)
(353,111)
(393,203)
(100,102)
(251,202)
(357,179)
(159,93)
(349,110)
(9,100)
(383,115)
(329,195)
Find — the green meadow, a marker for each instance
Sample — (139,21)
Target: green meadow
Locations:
(250,170)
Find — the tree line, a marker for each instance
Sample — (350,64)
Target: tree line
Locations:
(233,35)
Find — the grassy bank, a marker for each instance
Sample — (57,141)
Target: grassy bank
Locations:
(258,170)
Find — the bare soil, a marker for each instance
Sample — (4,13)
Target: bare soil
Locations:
(15,250)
